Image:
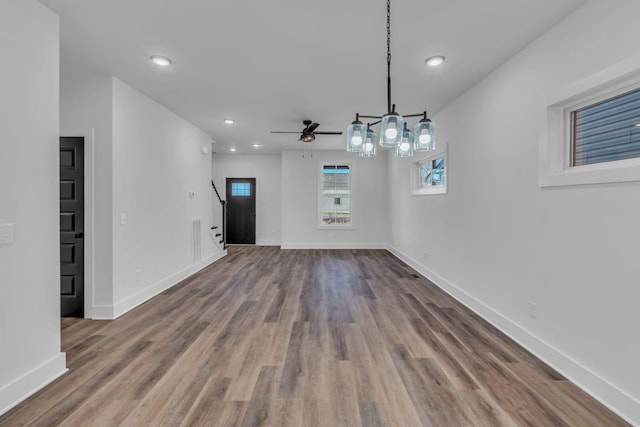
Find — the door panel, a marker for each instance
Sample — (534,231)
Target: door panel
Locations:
(72,226)
(241,211)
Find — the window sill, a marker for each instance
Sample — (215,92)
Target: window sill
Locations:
(335,227)
(441,189)
(601,173)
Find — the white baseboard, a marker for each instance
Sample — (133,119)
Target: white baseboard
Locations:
(617,400)
(105,312)
(333,245)
(29,383)
(102,312)
(268,243)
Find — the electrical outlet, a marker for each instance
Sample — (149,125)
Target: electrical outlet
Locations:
(533,310)
(123,219)
(6,234)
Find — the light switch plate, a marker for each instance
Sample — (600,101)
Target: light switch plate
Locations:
(6,234)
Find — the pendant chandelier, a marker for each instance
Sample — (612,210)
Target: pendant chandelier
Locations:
(394,131)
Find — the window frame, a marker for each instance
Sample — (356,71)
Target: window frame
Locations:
(415,173)
(320,197)
(555,146)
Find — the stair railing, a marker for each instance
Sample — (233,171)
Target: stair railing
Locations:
(223,204)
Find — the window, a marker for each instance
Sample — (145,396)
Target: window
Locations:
(335,195)
(606,131)
(429,174)
(591,135)
(242,189)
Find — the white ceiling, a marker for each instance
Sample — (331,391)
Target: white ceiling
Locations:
(269,64)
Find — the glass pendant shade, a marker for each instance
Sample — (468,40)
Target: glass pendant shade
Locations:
(391,127)
(369,144)
(424,134)
(356,133)
(405,148)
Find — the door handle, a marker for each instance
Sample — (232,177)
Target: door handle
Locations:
(79,235)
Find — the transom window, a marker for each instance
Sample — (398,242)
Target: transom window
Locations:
(242,189)
(606,131)
(335,195)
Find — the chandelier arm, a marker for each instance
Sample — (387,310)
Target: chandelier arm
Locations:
(371,117)
(414,115)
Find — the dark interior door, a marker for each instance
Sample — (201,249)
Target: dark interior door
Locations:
(241,211)
(72,226)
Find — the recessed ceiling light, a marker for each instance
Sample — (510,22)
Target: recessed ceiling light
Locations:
(434,61)
(258,145)
(162,61)
(229,121)
(233,150)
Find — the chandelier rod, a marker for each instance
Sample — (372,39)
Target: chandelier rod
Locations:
(390,107)
(389,56)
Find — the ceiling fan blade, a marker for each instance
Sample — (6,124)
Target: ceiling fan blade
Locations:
(275,131)
(328,133)
(312,127)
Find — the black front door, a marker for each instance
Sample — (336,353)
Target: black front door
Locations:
(72,226)
(241,211)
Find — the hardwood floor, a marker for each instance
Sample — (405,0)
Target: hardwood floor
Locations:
(303,338)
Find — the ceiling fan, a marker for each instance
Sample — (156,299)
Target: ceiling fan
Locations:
(309,132)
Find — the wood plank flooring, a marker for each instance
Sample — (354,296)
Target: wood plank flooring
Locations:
(303,338)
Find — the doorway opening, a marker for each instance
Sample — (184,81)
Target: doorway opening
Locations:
(241,211)
(72,226)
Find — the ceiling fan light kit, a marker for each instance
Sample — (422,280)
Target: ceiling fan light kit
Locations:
(394,132)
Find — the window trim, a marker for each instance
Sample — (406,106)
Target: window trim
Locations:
(415,171)
(554,154)
(321,165)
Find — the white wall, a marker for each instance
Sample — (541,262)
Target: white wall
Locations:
(498,240)
(30,354)
(300,222)
(147,161)
(86,110)
(157,161)
(266,168)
